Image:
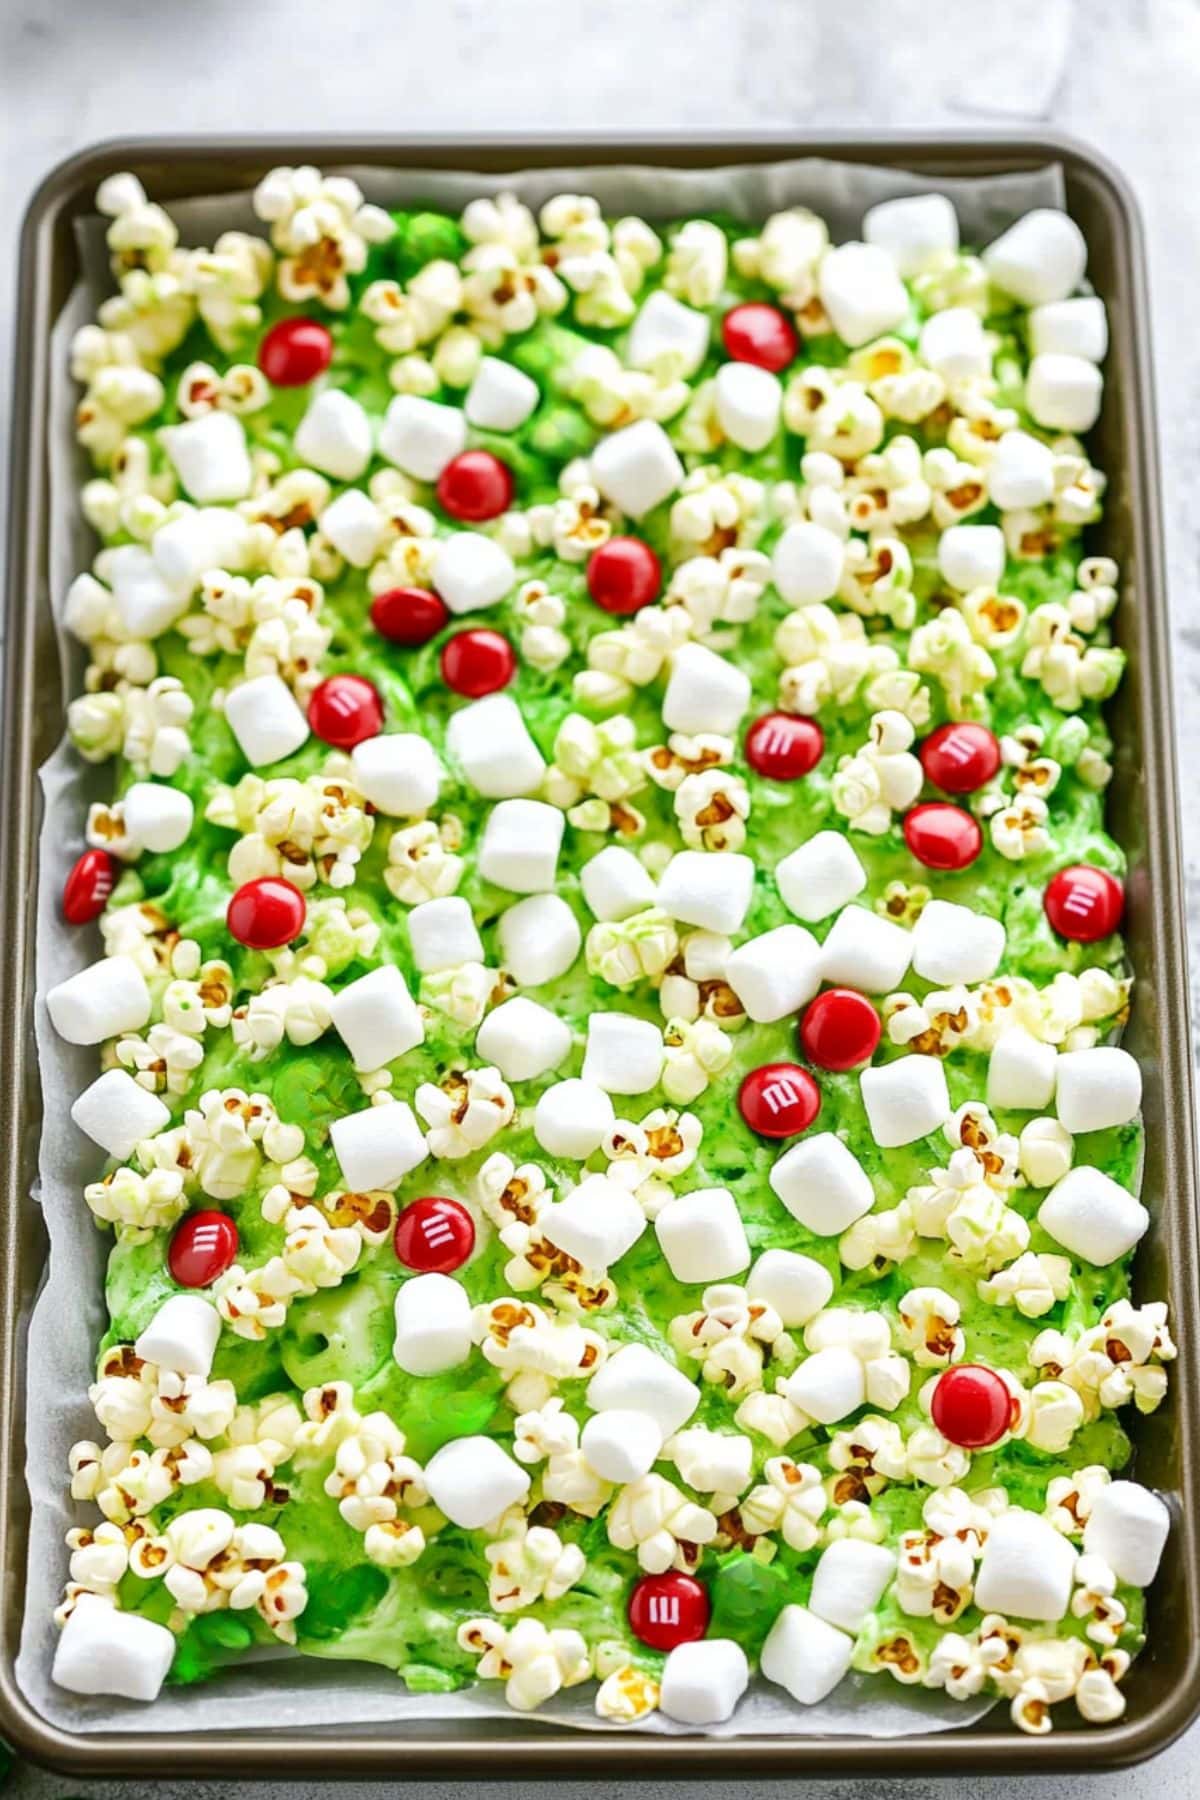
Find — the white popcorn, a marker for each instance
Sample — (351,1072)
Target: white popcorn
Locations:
(534,1663)
(848,1582)
(795,1287)
(182,1335)
(955,943)
(520,846)
(805,1655)
(1092,1216)
(473,1480)
(905,1100)
(865,951)
(116,1112)
(807,564)
(471,571)
(334,436)
(572,1118)
(1070,328)
(918,232)
(820,877)
(636,1379)
(1127,1527)
(1097,1088)
(491,743)
(377,1018)
(623,1054)
(621,1445)
(636,468)
(822,1184)
(1022,1072)
(501,397)
(265,720)
(703,1681)
(378,1147)
(523,1039)
(667,337)
(104,1651)
(433,1324)
(704,692)
(702,1237)
(861,291)
(102,1001)
(1039,259)
(464,1111)
(1026,1568)
(210,457)
(711,891)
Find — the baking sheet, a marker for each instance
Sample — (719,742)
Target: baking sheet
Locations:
(283,1690)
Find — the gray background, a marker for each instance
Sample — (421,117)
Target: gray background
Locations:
(1122,74)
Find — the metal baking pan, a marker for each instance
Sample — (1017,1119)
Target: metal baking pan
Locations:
(1164,1686)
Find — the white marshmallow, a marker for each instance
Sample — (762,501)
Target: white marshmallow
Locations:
(668,336)
(971,556)
(421,436)
(264,718)
(187,546)
(822,1184)
(705,692)
(398,772)
(748,402)
(712,891)
(819,877)
(1098,1088)
(523,1039)
(867,952)
(953,343)
(615,884)
(861,291)
(539,939)
(472,1480)
(501,397)
(334,436)
(1026,1569)
(905,1100)
(1063,393)
(1070,328)
(775,973)
(354,528)
(442,934)
(596,1223)
(521,842)
(1092,1216)
(849,1580)
(1042,257)
(955,943)
(702,1236)
(377,1018)
(210,456)
(917,231)
(117,1112)
(636,1379)
(1021,472)
(145,602)
(828,1385)
(1021,1072)
(1127,1527)
(703,1681)
(623,1055)
(105,1651)
(805,1655)
(807,564)
(636,468)
(433,1324)
(620,1445)
(471,571)
(378,1147)
(182,1335)
(798,1287)
(573,1118)
(102,1001)
(157,817)
(490,742)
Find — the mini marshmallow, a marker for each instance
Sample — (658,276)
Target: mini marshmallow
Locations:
(702,1236)
(623,1055)
(953,343)
(145,602)
(398,772)
(805,1655)
(821,876)
(433,1324)
(849,1580)
(1127,1527)
(615,884)
(379,1146)
(918,232)
(573,1118)
(596,1223)
(711,891)
(705,692)
(157,817)
(117,1112)
(1063,393)
(442,934)
(105,1651)
(1093,1216)
(703,1681)
(471,571)
(334,436)
(421,436)
(1097,1088)
(1021,472)
(264,718)
(182,1335)
(822,1184)
(1040,258)
(798,1287)
(539,939)
(490,742)
(636,1379)
(828,1385)
(775,973)
(807,564)
(862,292)
(472,1480)
(501,397)
(1026,1569)
(521,842)
(971,556)
(1070,328)
(523,1039)
(905,1100)
(621,1445)
(354,528)
(1021,1072)
(867,952)
(636,468)
(104,1000)
(210,456)
(377,1018)
(667,335)
(955,943)
(187,546)
(747,401)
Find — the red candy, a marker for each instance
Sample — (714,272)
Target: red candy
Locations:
(665,1610)
(434,1236)
(972,1406)
(779,1099)
(475,486)
(624,575)
(409,616)
(266,914)
(758,333)
(345,710)
(784,747)
(477,662)
(960,758)
(87,887)
(1084,903)
(203,1246)
(840,1030)
(943,836)
(295,352)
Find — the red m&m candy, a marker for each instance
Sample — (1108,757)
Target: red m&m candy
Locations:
(203,1246)
(784,747)
(961,757)
(88,886)
(779,1099)
(972,1406)
(409,616)
(943,836)
(1084,903)
(434,1236)
(345,710)
(840,1030)
(266,914)
(665,1610)
(761,334)
(624,575)
(295,352)
(477,662)
(475,486)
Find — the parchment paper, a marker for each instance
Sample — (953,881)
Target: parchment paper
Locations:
(284,1690)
